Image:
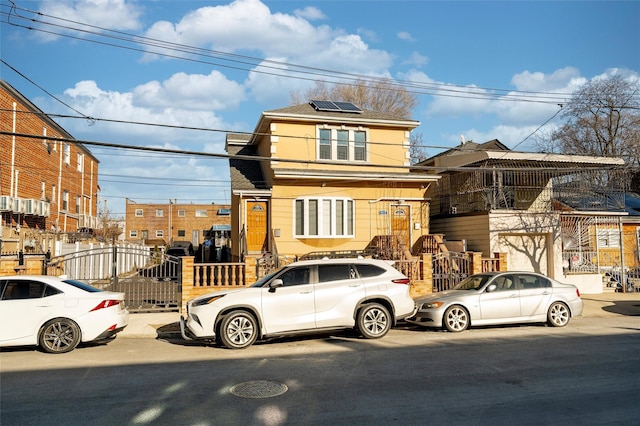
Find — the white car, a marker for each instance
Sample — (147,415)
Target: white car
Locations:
(495,298)
(308,296)
(56,313)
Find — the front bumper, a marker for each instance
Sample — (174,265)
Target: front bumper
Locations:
(187,331)
(426,318)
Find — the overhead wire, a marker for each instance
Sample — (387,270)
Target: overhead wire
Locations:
(434,89)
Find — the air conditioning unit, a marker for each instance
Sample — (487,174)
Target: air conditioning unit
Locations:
(30,206)
(19,205)
(46,209)
(6,203)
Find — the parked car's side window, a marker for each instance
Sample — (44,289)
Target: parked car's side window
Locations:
(50,291)
(337,272)
(21,289)
(528,282)
(295,276)
(367,271)
(505,283)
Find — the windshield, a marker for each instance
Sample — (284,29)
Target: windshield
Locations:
(263,280)
(474,282)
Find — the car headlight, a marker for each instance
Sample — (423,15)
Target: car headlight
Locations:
(432,305)
(206,300)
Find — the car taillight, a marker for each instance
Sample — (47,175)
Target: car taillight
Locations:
(578,292)
(106,304)
(406,281)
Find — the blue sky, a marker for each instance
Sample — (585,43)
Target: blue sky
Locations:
(498,50)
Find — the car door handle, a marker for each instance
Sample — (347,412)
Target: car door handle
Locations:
(305,292)
(354,285)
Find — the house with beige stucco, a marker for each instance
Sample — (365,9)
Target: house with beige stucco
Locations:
(324,178)
(560,215)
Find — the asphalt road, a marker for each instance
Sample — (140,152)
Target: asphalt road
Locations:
(586,373)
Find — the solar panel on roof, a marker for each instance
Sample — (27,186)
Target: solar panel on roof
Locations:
(347,106)
(324,106)
(334,106)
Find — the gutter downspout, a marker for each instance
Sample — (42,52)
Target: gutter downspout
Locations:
(13,149)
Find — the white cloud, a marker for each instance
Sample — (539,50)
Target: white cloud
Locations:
(241,25)
(92,101)
(250,26)
(110,14)
(404,35)
(310,13)
(564,80)
(416,59)
(191,92)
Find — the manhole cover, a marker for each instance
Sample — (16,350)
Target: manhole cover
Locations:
(258,389)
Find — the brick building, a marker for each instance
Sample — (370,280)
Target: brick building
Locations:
(164,224)
(47,180)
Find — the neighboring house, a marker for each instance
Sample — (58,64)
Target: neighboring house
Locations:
(48,182)
(325,178)
(503,201)
(165,224)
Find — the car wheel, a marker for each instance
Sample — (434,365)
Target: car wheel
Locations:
(373,321)
(238,330)
(59,335)
(558,314)
(456,318)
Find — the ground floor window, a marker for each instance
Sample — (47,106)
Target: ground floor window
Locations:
(323,217)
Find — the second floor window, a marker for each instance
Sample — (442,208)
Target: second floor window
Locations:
(80,162)
(182,213)
(138,212)
(66,154)
(201,213)
(65,200)
(159,213)
(342,144)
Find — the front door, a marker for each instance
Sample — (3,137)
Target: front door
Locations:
(400,219)
(256,226)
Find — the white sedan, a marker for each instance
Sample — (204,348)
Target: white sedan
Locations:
(495,298)
(56,313)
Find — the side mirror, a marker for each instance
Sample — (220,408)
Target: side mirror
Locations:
(275,284)
(491,287)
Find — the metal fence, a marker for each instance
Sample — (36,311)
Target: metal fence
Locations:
(150,279)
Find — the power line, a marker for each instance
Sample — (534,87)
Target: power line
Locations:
(294,161)
(434,89)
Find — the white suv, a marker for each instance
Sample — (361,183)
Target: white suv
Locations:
(366,294)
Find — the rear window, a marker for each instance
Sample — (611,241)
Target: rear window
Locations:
(82,286)
(366,270)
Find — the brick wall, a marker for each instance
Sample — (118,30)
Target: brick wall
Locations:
(179,217)
(45,169)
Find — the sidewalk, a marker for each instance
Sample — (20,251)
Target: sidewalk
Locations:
(166,324)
